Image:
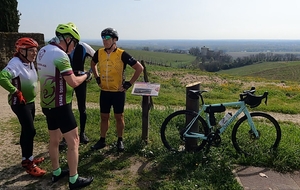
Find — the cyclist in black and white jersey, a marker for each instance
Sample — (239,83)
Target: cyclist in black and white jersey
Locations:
(77,58)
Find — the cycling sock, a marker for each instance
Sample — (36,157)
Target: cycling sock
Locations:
(57,172)
(73,178)
(31,158)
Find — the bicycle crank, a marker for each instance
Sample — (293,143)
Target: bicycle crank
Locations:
(181,132)
(214,139)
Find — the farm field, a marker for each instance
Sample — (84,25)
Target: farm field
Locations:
(245,53)
(280,71)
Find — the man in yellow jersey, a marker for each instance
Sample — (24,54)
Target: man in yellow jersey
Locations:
(111,62)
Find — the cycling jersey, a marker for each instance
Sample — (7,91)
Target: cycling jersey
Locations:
(78,59)
(53,63)
(111,68)
(19,75)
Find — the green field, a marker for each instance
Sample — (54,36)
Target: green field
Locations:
(169,59)
(280,71)
(166,59)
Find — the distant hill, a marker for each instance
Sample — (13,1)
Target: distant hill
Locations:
(282,71)
(225,45)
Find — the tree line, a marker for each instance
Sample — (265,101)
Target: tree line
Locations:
(216,61)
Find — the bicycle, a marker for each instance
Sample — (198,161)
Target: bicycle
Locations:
(252,133)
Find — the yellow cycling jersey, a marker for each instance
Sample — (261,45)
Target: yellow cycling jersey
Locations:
(111,69)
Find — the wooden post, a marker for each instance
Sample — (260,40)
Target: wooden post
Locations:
(192,104)
(145,118)
(147,104)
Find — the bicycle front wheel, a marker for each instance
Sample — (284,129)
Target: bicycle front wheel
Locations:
(174,126)
(245,141)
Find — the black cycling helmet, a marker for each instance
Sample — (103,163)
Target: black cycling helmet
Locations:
(110,32)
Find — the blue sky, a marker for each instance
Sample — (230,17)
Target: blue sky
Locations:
(166,19)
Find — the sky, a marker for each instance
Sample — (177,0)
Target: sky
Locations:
(166,19)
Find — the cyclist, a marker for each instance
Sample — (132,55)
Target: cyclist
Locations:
(19,78)
(57,81)
(112,62)
(77,58)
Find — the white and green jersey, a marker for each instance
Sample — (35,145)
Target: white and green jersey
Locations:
(21,76)
(53,63)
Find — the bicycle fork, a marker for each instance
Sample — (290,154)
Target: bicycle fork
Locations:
(253,132)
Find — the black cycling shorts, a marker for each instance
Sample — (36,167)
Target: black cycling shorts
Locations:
(60,118)
(114,99)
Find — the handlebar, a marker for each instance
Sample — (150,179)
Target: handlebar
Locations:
(247,96)
(251,99)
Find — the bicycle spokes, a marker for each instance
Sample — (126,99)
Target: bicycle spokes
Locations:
(174,127)
(269,134)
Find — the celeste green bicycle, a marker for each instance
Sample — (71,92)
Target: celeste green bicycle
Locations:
(252,133)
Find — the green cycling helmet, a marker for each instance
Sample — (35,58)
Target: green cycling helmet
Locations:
(68,29)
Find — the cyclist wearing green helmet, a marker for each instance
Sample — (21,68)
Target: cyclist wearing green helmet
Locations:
(57,83)
(64,31)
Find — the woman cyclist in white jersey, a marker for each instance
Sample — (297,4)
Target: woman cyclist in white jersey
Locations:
(19,78)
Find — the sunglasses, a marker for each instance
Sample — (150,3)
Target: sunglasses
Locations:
(106,37)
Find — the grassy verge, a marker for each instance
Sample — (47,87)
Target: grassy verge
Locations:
(160,169)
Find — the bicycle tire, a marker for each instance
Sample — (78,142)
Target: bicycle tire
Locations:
(246,143)
(174,124)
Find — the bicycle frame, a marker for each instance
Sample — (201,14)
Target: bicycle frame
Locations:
(242,108)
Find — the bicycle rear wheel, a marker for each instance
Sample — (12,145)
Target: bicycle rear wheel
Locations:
(244,140)
(174,126)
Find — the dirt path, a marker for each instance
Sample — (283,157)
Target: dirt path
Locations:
(12,175)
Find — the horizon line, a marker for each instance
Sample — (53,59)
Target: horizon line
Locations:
(191,39)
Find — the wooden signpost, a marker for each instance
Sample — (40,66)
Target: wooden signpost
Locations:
(146,90)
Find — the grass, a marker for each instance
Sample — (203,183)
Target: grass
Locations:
(168,59)
(279,71)
(161,169)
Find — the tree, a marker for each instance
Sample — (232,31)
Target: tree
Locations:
(145,48)
(195,51)
(10,16)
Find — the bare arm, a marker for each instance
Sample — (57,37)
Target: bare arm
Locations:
(138,67)
(94,69)
(75,81)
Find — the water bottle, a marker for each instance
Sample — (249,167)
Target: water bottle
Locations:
(225,119)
